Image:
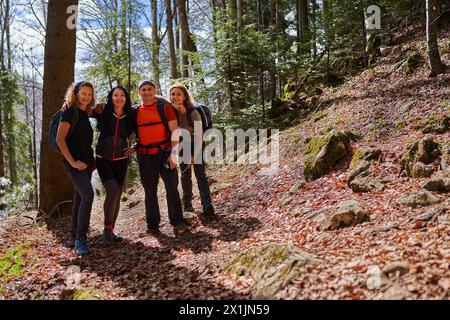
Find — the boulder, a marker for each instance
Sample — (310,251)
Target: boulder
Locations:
(421,198)
(440,182)
(349,213)
(417,157)
(365,184)
(272,266)
(364,154)
(361,168)
(393,267)
(322,152)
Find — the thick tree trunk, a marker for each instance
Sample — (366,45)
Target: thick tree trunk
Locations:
(59,62)
(434,57)
(171,41)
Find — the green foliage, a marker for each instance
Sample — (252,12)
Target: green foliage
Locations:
(12,263)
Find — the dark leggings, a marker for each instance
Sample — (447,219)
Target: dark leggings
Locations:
(112,174)
(82,201)
(202,182)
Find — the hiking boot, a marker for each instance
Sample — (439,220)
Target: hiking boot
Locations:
(116,238)
(70,243)
(107,237)
(208,210)
(152,232)
(187,207)
(180,229)
(81,246)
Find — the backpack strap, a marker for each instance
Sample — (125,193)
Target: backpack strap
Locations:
(162,114)
(74,121)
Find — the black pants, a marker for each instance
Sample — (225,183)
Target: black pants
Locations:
(151,167)
(202,182)
(112,174)
(82,201)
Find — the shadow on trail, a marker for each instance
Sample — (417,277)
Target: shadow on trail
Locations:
(143,271)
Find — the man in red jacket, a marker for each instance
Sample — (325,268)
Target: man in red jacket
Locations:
(156,120)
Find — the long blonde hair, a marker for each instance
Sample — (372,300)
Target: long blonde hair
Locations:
(72,98)
(188,100)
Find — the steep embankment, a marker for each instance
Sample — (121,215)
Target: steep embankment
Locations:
(386,108)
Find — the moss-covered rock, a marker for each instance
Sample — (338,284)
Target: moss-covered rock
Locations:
(435,124)
(364,154)
(322,152)
(82,294)
(417,157)
(272,266)
(412,62)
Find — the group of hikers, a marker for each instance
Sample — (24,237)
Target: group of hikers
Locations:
(153,121)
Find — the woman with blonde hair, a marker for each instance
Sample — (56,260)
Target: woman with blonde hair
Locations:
(79,159)
(183,102)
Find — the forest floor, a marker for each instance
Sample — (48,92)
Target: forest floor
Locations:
(381,104)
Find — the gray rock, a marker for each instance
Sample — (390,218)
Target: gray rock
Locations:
(299,212)
(359,168)
(422,170)
(287,198)
(365,184)
(393,267)
(439,182)
(407,106)
(418,157)
(349,213)
(272,266)
(396,292)
(297,186)
(421,198)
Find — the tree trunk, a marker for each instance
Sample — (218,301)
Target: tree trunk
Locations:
(172,54)
(363,31)
(302,22)
(188,44)
(240,14)
(123,42)
(156,41)
(214,18)
(432,43)
(59,63)
(185,37)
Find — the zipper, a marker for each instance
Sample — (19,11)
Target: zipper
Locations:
(115,137)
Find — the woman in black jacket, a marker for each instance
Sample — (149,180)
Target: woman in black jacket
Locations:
(115,124)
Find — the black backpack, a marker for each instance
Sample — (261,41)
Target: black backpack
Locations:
(205,114)
(54,124)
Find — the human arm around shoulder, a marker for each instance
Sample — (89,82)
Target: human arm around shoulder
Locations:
(63,131)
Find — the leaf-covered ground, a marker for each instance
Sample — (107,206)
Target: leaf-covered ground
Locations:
(382,105)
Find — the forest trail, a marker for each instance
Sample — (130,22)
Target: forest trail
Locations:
(408,244)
